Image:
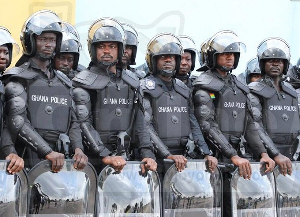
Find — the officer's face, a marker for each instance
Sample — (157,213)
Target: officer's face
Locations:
(4,57)
(45,44)
(107,51)
(166,62)
(64,62)
(255,77)
(225,59)
(274,67)
(127,55)
(185,64)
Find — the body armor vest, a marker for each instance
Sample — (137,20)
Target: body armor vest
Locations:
(171,118)
(49,104)
(114,108)
(231,111)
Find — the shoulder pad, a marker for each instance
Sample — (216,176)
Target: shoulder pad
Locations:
(208,82)
(288,88)
(148,86)
(61,76)
(130,78)
(140,73)
(14,71)
(181,88)
(242,86)
(85,77)
(261,89)
(18,72)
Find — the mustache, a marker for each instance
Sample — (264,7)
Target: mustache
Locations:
(106,55)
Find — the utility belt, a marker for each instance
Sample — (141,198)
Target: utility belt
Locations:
(59,142)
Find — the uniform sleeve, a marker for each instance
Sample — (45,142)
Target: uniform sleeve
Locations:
(75,131)
(205,114)
(7,146)
(256,135)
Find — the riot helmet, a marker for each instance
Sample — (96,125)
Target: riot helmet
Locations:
(70,42)
(106,30)
(188,45)
(163,44)
(36,24)
(273,48)
(203,57)
(224,41)
(7,40)
(131,40)
(252,68)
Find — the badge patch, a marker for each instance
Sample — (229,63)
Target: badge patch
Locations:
(150,84)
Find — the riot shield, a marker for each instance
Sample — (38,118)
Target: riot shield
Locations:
(288,191)
(69,192)
(13,192)
(254,197)
(129,192)
(193,192)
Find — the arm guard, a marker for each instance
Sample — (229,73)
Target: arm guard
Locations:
(159,146)
(16,100)
(91,137)
(205,112)
(256,127)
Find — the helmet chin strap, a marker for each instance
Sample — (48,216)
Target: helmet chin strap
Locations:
(224,68)
(106,65)
(167,73)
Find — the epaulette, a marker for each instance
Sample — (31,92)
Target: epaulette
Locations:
(65,79)
(288,88)
(130,78)
(261,89)
(181,88)
(207,81)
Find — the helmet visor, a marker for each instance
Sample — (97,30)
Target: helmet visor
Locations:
(165,44)
(273,48)
(5,38)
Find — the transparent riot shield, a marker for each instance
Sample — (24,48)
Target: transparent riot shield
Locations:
(128,193)
(288,192)
(69,192)
(13,192)
(193,192)
(254,197)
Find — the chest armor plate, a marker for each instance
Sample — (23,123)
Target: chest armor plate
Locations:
(171,116)
(231,111)
(114,107)
(49,104)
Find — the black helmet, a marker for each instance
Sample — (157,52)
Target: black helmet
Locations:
(6,39)
(203,57)
(106,30)
(224,41)
(163,44)
(70,42)
(273,48)
(36,24)
(132,40)
(252,68)
(188,45)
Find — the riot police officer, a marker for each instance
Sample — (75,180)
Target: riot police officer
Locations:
(252,72)
(276,103)
(107,100)
(40,114)
(221,107)
(168,106)
(188,59)
(67,59)
(8,46)
(130,50)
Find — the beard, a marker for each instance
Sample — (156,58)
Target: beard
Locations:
(45,57)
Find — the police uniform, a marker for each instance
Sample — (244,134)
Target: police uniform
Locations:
(107,108)
(39,111)
(279,113)
(168,113)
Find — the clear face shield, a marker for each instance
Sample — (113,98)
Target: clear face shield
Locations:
(274,48)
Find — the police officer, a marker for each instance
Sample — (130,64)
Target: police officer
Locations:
(67,59)
(188,59)
(276,102)
(167,104)
(40,113)
(108,101)
(221,107)
(8,46)
(252,72)
(130,50)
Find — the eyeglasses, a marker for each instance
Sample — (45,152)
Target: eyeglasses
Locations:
(165,57)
